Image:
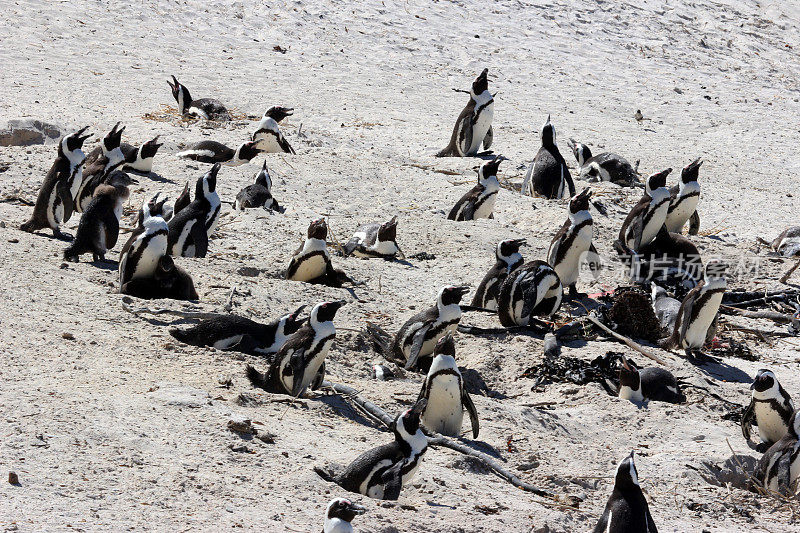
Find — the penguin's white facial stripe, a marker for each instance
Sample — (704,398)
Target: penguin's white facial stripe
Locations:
(580,217)
(633,474)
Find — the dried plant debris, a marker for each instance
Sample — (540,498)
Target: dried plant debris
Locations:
(725,347)
(632,314)
(602,370)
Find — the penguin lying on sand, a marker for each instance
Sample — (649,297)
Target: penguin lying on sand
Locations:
(140,160)
(234,332)
(626,510)
(168,281)
(259,194)
(779,467)
(207,108)
(339,514)
(383,471)
(650,383)
(311,262)
(771,409)
(531,290)
(56,200)
(216,152)
(479,201)
(548,175)
(508,260)
(268,136)
(414,343)
(474,124)
(603,167)
(375,240)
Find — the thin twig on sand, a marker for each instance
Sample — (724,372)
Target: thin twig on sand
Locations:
(633,345)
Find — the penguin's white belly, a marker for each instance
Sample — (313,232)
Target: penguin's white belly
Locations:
(408,476)
(226,343)
(313,367)
(444,413)
(148,261)
(178,248)
(486,208)
(57,214)
(697,330)
(653,226)
(627,393)
(677,219)
(310,268)
(213,216)
(480,128)
(771,427)
(142,165)
(376,491)
(569,267)
(268,143)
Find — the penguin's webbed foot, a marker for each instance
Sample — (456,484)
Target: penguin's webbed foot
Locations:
(60,235)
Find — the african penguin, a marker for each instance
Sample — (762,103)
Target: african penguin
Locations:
(779,467)
(771,407)
(787,243)
(683,201)
(190,228)
(98,229)
(146,245)
(168,281)
(216,152)
(508,260)
(548,175)
(646,218)
(300,362)
(99,166)
(259,194)
(533,289)
(340,514)
(698,311)
(479,201)
(670,259)
(665,307)
(375,240)
(626,510)
(206,108)
(606,166)
(311,261)
(414,343)
(183,200)
(573,242)
(650,383)
(383,471)
(474,124)
(140,160)
(233,332)
(56,200)
(443,388)
(268,136)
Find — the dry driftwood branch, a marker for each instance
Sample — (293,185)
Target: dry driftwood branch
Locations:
(434,439)
(789,272)
(769,315)
(633,345)
(127,301)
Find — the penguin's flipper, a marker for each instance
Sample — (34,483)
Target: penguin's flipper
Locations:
(247,344)
(530,300)
(392,480)
(568,180)
(651,525)
(602,525)
(686,319)
(256,378)
(66,200)
(350,246)
(466,400)
(316,383)
(111,225)
(487,141)
(783,473)
(416,346)
(464,140)
(199,237)
(636,229)
(593,258)
(694,223)
(284,144)
(747,422)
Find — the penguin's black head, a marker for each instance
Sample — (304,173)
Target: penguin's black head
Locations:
(278,113)
(263,178)
(154,207)
(318,229)
(490,167)
(548,133)
(165,267)
(481,83)
(113,138)
(794,425)
(627,477)
(344,509)
(326,311)
(445,346)
(208,183)
(293,321)
(691,171)
(580,202)
(407,424)
(150,148)
(452,294)
(581,152)
(628,374)
(657,180)
(764,381)
(119,178)
(75,141)
(716,269)
(388,230)
(248,150)
(509,247)
(176,90)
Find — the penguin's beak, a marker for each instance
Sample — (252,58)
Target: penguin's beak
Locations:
(461,290)
(154,142)
(519,242)
(356,509)
(297,312)
(214,170)
(419,407)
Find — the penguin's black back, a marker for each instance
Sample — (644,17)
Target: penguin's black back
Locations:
(548,166)
(655,380)
(255,195)
(98,218)
(356,472)
(628,512)
(207,332)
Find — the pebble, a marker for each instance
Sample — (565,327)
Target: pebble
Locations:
(13,478)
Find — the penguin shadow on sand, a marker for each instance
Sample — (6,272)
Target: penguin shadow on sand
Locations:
(722,371)
(153,176)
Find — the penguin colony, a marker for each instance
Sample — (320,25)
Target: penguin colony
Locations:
(294,347)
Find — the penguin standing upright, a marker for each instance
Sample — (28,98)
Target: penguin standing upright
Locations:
(216,152)
(233,332)
(189,228)
(646,218)
(779,467)
(340,514)
(573,242)
(146,245)
(606,166)
(100,164)
(414,343)
(650,383)
(311,262)
(300,362)
(626,510)
(98,229)
(698,311)
(444,392)
(533,289)
(479,201)
(383,471)
(375,240)
(140,160)
(508,260)
(548,175)
(683,200)
(259,194)
(207,108)
(771,407)
(56,200)
(474,124)
(268,136)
